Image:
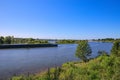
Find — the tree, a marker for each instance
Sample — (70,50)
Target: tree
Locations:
(1,39)
(7,40)
(116,49)
(83,50)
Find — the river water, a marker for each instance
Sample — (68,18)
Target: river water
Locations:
(32,60)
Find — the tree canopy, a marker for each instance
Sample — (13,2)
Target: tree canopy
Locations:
(116,49)
(83,50)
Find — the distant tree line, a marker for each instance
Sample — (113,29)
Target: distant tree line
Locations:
(65,41)
(12,40)
(106,40)
(68,41)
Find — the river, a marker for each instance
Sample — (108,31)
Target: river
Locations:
(33,60)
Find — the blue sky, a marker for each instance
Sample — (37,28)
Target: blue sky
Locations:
(60,19)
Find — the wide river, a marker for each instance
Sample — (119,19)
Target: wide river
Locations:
(32,60)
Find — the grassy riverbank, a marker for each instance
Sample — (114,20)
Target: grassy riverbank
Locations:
(103,67)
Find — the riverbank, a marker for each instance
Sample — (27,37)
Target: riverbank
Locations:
(102,70)
(9,46)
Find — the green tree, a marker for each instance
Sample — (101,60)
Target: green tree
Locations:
(83,50)
(116,49)
(1,39)
(7,40)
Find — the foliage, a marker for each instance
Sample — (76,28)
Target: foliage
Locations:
(1,40)
(83,50)
(12,40)
(68,41)
(116,49)
(65,41)
(105,40)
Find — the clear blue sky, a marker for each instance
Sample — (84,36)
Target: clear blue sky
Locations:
(60,19)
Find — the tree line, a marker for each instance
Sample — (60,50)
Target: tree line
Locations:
(13,40)
(65,41)
(106,40)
